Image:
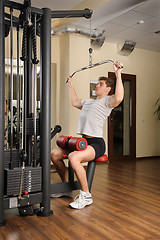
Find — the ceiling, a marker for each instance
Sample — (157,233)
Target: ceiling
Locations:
(122,20)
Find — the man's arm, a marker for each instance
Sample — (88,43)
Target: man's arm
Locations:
(76,102)
(117,98)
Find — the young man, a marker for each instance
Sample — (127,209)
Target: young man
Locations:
(90,125)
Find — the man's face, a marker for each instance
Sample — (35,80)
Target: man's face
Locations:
(102,89)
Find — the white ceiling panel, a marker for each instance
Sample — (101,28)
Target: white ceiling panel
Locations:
(130,18)
(111,28)
(151,8)
(150,25)
(111,10)
(158,15)
(130,34)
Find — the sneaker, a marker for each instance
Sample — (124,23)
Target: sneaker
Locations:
(82,200)
(64,194)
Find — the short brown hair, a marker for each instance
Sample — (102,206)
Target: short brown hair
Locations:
(109,82)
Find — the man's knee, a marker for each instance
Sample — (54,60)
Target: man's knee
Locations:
(55,155)
(73,160)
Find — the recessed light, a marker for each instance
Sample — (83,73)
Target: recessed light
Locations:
(140,22)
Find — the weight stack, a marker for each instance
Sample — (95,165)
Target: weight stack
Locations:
(32,180)
(30,126)
(15,155)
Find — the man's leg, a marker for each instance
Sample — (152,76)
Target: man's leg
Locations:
(78,157)
(57,159)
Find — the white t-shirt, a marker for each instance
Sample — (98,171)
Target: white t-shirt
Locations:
(93,116)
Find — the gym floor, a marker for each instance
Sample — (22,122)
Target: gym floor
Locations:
(126,207)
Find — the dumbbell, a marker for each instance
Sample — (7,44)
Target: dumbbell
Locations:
(72,143)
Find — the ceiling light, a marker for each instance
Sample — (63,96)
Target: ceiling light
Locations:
(140,22)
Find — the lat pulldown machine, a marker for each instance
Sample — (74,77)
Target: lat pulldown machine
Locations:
(24,182)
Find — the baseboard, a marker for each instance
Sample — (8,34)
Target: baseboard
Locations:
(147,158)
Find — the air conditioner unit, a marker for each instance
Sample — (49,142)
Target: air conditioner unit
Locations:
(126,48)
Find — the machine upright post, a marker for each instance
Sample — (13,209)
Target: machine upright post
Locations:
(2,104)
(45,115)
(29,94)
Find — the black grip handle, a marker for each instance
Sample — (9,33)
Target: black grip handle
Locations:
(56,130)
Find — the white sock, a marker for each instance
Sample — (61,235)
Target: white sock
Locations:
(85,193)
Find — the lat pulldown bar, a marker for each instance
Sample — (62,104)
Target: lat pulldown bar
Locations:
(92,65)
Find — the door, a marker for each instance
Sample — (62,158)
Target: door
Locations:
(122,123)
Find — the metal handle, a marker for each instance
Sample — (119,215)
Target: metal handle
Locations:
(91,66)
